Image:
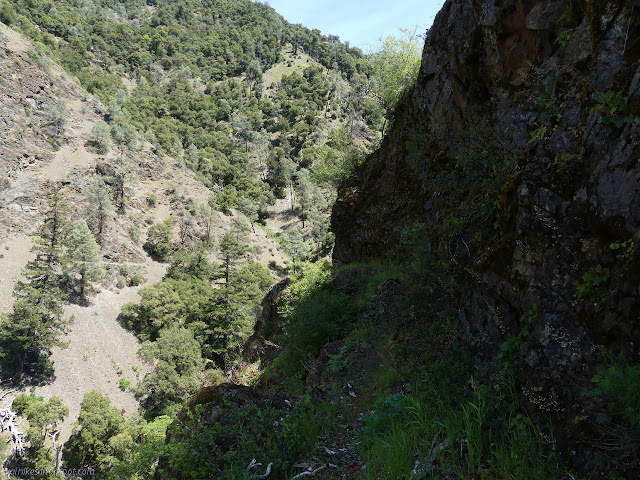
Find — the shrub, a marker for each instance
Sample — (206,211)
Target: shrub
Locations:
(621,382)
(314,314)
(159,239)
(152,199)
(100,138)
(134,229)
(53,119)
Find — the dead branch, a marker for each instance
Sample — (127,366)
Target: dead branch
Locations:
(255,464)
(266,473)
(8,424)
(309,473)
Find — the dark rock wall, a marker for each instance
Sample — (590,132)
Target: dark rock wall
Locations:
(553,86)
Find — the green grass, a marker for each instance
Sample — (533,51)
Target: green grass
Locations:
(314,313)
(252,431)
(477,438)
(419,403)
(620,382)
(370,276)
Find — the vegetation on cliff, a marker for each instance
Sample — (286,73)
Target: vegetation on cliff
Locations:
(463,345)
(260,110)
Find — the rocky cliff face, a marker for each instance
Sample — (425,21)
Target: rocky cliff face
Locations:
(513,167)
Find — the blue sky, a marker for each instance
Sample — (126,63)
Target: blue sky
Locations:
(359,22)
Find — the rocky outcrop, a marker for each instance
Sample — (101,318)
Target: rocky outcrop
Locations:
(269,323)
(514,163)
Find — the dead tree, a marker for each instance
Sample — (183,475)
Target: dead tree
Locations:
(8,424)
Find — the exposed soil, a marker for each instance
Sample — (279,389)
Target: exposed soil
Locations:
(98,348)
(298,63)
(281,217)
(15,253)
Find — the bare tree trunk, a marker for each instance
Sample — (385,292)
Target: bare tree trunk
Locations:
(7,424)
(82,282)
(57,449)
(291,196)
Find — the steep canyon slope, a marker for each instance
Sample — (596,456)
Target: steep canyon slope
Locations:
(512,172)
(34,159)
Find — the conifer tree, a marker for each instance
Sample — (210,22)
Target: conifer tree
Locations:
(122,178)
(295,245)
(207,219)
(177,372)
(98,422)
(249,210)
(100,137)
(36,323)
(99,208)
(84,256)
(305,193)
(320,226)
(232,246)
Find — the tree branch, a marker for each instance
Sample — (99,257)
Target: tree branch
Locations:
(309,473)
(7,424)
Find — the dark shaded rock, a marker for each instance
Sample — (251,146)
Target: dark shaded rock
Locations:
(269,304)
(495,82)
(268,324)
(314,378)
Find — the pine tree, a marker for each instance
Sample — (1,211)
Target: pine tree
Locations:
(100,207)
(295,245)
(249,210)
(177,372)
(320,226)
(84,256)
(122,179)
(100,137)
(232,246)
(305,193)
(98,422)
(207,219)
(36,323)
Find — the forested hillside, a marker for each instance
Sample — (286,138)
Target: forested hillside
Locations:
(163,164)
(194,77)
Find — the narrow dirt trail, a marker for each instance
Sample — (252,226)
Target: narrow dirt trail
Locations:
(98,348)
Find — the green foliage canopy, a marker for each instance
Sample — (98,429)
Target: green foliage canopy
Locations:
(395,67)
